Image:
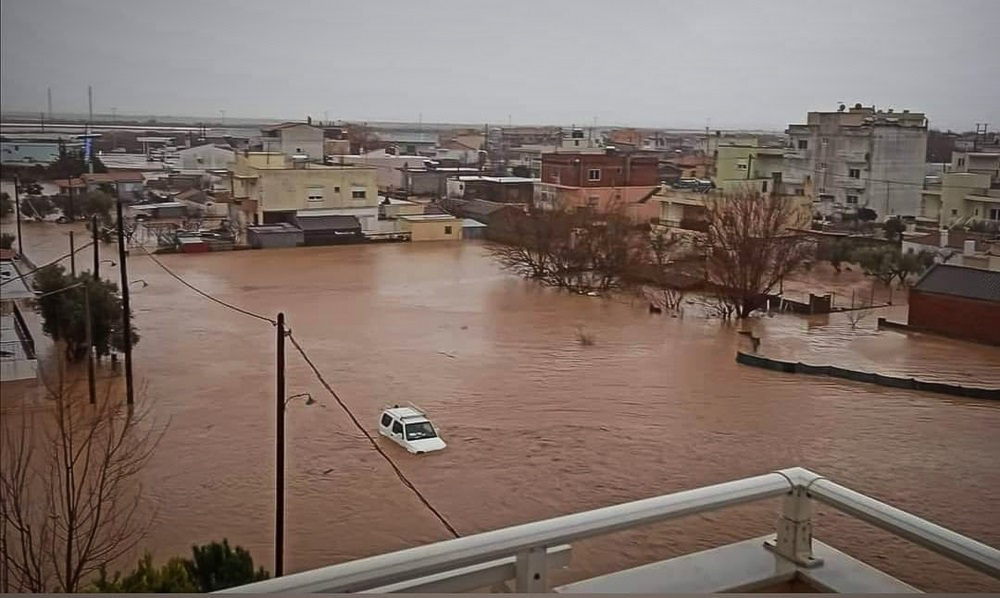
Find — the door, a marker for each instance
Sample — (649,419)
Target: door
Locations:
(385,424)
(397,431)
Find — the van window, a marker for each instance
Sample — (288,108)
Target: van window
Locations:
(386,420)
(397,428)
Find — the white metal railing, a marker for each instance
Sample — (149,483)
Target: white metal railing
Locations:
(531,544)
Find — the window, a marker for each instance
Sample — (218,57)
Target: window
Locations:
(824,141)
(854,173)
(386,420)
(977,212)
(763,186)
(822,165)
(576,142)
(803,144)
(592,201)
(420,430)
(776,176)
(336,189)
(447,230)
(852,199)
(994,213)
(961,162)
(800,192)
(358,193)
(315,196)
(954,212)
(397,428)
(594,174)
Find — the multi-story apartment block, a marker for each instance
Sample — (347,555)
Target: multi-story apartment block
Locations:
(860,157)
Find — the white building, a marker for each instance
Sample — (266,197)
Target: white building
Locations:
(292,138)
(861,157)
(205,157)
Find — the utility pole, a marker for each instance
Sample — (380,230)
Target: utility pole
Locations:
(50,103)
(90,119)
(72,255)
(126,307)
(17,214)
(97,252)
(279,457)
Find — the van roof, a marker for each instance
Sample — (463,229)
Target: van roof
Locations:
(406,413)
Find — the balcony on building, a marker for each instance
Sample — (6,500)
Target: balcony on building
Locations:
(791,559)
(17,348)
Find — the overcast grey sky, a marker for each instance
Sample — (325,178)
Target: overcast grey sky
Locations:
(737,63)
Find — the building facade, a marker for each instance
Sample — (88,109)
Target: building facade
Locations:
(292,138)
(280,187)
(600,181)
(958,302)
(861,157)
(967,192)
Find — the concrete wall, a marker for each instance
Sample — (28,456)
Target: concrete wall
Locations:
(387,167)
(205,157)
(297,139)
(955,316)
(433,230)
(601,198)
(898,155)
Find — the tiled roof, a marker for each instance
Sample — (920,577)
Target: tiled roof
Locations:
(961,281)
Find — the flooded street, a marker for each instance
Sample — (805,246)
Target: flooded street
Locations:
(537,424)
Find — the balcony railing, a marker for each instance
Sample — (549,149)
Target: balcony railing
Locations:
(526,553)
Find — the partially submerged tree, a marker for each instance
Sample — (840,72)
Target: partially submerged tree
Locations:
(582,250)
(750,247)
(886,264)
(70,498)
(63,314)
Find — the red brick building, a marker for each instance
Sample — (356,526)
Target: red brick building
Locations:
(600,181)
(957,301)
(609,169)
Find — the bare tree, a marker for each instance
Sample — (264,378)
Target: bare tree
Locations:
(858,314)
(579,249)
(70,499)
(750,247)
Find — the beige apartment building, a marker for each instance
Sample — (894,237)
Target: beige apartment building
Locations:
(968,192)
(274,187)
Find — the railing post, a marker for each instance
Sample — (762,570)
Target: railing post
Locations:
(794,527)
(532,573)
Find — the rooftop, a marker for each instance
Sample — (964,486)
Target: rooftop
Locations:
(504,180)
(961,281)
(428,217)
(17,289)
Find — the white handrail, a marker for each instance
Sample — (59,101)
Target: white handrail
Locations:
(386,569)
(941,540)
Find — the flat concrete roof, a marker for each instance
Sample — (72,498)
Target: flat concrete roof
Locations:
(16,289)
(429,217)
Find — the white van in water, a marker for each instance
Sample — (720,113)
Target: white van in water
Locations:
(410,428)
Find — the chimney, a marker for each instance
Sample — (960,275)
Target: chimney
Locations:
(944,237)
(969,248)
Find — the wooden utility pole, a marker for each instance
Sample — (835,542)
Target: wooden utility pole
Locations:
(279,456)
(126,307)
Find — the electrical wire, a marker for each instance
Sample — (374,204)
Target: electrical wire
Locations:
(52,263)
(399,473)
(319,376)
(203,293)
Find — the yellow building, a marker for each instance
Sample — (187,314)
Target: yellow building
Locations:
(274,186)
(969,192)
(748,166)
(432,227)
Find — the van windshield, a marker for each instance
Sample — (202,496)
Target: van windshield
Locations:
(420,430)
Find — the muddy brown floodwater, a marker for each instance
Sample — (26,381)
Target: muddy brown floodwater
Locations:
(537,424)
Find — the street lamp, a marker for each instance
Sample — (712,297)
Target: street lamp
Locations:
(279,503)
(88,331)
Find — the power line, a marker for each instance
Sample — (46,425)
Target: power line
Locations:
(52,263)
(319,376)
(399,473)
(203,293)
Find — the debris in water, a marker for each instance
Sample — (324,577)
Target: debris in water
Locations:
(446,354)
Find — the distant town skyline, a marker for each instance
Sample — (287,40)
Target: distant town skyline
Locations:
(721,64)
